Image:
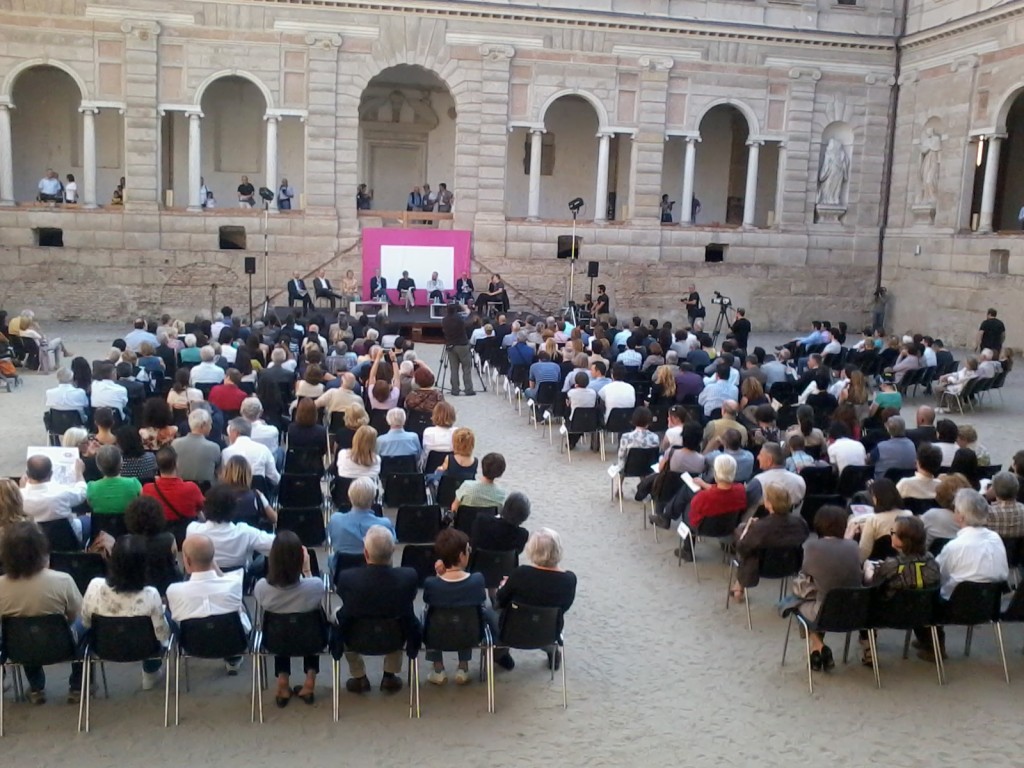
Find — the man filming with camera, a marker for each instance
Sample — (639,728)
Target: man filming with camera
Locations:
(740,328)
(457,347)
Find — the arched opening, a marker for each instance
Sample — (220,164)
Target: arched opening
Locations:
(1009,196)
(407,122)
(721,167)
(48,132)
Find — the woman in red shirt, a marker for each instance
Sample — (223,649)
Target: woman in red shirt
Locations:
(723,498)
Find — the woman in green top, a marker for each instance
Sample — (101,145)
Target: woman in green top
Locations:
(112,494)
(887,396)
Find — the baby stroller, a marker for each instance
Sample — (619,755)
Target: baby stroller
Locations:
(8,373)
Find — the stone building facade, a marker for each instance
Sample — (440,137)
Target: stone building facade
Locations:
(774,115)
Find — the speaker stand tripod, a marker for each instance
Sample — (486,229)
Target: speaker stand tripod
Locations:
(569,310)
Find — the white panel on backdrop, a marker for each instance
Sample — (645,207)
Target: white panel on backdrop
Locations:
(420,261)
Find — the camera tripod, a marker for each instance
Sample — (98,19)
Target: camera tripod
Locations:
(442,370)
(722,318)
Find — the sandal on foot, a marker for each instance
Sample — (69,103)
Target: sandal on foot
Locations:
(282,701)
(309,697)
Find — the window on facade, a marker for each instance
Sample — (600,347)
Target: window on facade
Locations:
(714,253)
(232,238)
(998,262)
(846,2)
(547,155)
(49,237)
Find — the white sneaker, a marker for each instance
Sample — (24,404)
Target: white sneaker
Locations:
(151,679)
(438,678)
(232,667)
(462,677)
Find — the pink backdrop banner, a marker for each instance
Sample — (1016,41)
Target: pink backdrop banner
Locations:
(420,252)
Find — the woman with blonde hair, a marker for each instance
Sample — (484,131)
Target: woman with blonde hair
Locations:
(551,347)
(251,506)
(12,510)
(439,437)
(361,460)
(356,417)
(663,386)
(459,463)
(752,393)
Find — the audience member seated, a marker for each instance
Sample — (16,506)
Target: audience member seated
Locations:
(813,437)
(484,492)
(924,432)
(361,460)
(887,507)
(953,383)
(541,372)
(725,497)
(112,494)
(260,459)
(965,462)
(1006,514)
(455,587)
(687,457)
(182,394)
(207,372)
(208,591)
(311,385)
(78,438)
(396,441)
(377,591)
(44,500)
(798,458)
(720,389)
(967,438)
(618,393)
(181,500)
(228,396)
(779,530)
(731,444)
(251,506)
(766,431)
(233,543)
(543,584)
(830,562)
(198,456)
(887,396)
(897,452)
(843,450)
(925,480)
(66,396)
(103,418)
(12,508)
(975,554)
(939,522)
(459,463)
(158,428)
(439,436)
(505,532)
(304,431)
(289,587)
(946,440)
(144,517)
(772,464)
(424,397)
(640,437)
(124,593)
(347,530)
(29,588)
(106,392)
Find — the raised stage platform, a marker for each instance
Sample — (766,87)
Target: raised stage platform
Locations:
(416,324)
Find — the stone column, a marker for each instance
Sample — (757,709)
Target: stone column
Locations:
(601,194)
(88,156)
(689,164)
(195,159)
(141,120)
(536,147)
(272,121)
(988,189)
(6,157)
(780,185)
(750,191)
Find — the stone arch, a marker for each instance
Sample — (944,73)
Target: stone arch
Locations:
(7,92)
(1009,98)
(201,89)
(753,125)
(599,108)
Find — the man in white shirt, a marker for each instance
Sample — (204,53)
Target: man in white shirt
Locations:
(207,372)
(50,188)
(976,554)
(617,394)
(65,396)
(774,472)
(435,288)
(262,433)
(924,483)
(622,337)
(139,335)
(217,326)
(843,451)
(233,543)
(630,357)
(45,501)
(208,591)
(106,392)
(260,459)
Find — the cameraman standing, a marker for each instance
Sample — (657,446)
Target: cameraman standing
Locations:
(740,328)
(459,355)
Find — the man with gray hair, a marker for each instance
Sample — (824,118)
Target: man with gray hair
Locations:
(44,500)
(1006,514)
(266,434)
(340,398)
(898,452)
(207,372)
(198,456)
(378,591)
(260,459)
(772,464)
(66,396)
(396,441)
(976,554)
(277,371)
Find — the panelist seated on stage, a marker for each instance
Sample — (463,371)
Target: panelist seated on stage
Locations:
(324,290)
(407,291)
(435,289)
(297,292)
(378,287)
(464,289)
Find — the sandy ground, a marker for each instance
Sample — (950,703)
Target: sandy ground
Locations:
(660,673)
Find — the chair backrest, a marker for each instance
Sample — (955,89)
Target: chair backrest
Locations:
(844,609)
(779,562)
(294,634)
(495,565)
(300,490)
(819,480)
(897,473)
(639,461)
(446,489)
(719,526)
(853,479)
(306,522)
(36,641)
(341,436)
(989,471)
(418,523)
(402,489)
(619,420)
(904,608)
(339,493)
(391,465)
(584,420)
(434,460)
(83,567)
(213,637)
(918,506)
(305,461)
(61,536)
(375,637)
(417,422)
(972,602)
(124,638)
(882,548)
(379,420)
(668,487)
(421,558)
(452,629)
(1014,550)
(547,391)
(938,545)
(343,561)
(60,422)
(466,515)
(528,627)
(1015,610)
(813,502)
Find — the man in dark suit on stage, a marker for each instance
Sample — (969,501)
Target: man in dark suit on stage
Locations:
(464,289)
(297,292)
(323,289)
(378,287)
(381,592)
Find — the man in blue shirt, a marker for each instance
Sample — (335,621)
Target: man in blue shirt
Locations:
(396,441)
(718,391)
(816,336)
(544,370)
(520,353)
(346,530)
(599,376)
(580,365)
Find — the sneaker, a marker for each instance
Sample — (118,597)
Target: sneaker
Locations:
(462,677)
(390,683)
(232,667)
(470,394)
(437,677)
(37,698)
(505,662)
(151,679)
(357,684)
(687,554)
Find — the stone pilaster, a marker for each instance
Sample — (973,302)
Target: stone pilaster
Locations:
(795,207)
(321,125)
(649,146)
(141,121)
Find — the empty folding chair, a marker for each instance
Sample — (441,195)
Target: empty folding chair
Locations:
(719,527)
(306,522)
(403,489)
(418,523)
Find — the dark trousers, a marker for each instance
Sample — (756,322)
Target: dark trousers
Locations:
(330,296)
(283,665)
(307,303)
(461,358)
(37,677)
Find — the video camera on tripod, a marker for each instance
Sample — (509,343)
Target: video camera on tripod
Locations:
(720,299)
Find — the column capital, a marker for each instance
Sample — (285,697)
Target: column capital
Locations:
(88,109)
(693,139)
(995,136)
(6,103)
(605,134)
(497,52)
(140,28)
(656,63)
(755,142)
(539,131)
(324,40)
(272,118)
(194,113)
